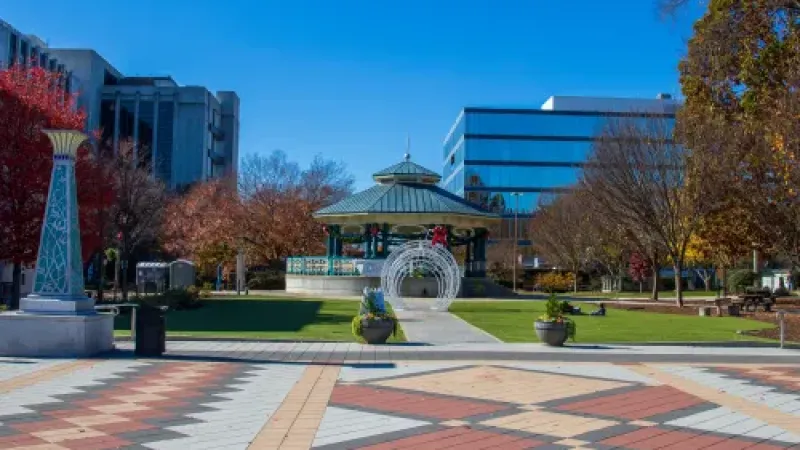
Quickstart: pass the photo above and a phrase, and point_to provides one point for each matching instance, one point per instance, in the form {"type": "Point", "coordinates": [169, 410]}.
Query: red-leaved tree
{"type": "Point", "coordinates": [639, 268]}
{"type": "Point", "coordinates": [32, 99]}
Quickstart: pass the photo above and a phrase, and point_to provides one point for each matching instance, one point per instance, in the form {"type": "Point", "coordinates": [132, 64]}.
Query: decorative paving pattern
{"type": "Point", "coordinates": [159, 405]}
{"type": "Point", "coordinates": [520, 405]}
{"type": "Point", "coordinates": [144, 404]}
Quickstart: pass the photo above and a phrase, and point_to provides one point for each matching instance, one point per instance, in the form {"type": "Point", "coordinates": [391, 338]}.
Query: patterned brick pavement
{"type": "Point", "coordinates": [186, 404]}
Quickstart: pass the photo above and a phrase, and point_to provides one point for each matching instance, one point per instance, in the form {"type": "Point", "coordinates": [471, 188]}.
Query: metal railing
{"type": "Point", "coordinates": [782, 324]}
{"type": "Point", "coordinates": [114, 309]}
{"type": "Point", "coordinates": [322, 265]}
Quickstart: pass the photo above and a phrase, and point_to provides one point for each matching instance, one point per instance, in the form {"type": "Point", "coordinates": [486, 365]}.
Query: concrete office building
{"type": "Point", "coordinates": [186, 133]}
{"type": "Point", "coordinates": [29, 49]}
{"type": "Point", "coordinates": [505, 159]}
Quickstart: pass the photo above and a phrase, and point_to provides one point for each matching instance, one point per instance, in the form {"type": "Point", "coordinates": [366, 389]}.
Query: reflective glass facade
{"type": "Point", "coordinates": [490, 154]}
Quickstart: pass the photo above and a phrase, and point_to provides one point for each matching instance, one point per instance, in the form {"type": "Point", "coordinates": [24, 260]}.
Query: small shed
{"type": "Point", "coordinates": [181, 274]}
{"type": "Point", "coordinates": [776, 278]}
{"type": "Point", "coordinates": [152, 277]}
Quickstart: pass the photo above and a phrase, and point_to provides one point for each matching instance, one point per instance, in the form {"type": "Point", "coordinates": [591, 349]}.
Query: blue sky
{"type": "Point", "coordinates": [349, 78]}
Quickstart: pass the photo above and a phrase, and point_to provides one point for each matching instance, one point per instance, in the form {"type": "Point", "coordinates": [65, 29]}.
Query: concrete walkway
{"type": "Point", "coordinates": [422, 325]}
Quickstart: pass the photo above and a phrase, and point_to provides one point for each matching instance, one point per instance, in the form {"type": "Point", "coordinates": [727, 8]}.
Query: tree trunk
{"type": "Point", "coordinates": [124, 267]}
{"type": "Point", "coordinates": [655, 278]}
{"type": "Point", "coordinates": [575, 282]}
{"type": "Point", "coordinates": [678, 284]}
{"type": "Point", "coordinates": [16, 286]}
{"type": "Point", "coordinates": [724, 271]}
{"type": "Point", "coordinates": [101, 276]}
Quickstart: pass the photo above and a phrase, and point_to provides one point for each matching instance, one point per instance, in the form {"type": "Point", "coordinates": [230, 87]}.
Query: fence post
{"type": "Point", "coordinates": [782, 327]}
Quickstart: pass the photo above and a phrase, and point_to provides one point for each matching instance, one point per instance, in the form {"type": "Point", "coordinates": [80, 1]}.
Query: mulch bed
{"type": "Point", "coordinates": [791, 321]}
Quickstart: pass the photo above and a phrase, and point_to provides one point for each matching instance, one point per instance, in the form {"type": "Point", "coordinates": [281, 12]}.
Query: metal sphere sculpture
{"type": "Point", "coordinates": [421, 259]}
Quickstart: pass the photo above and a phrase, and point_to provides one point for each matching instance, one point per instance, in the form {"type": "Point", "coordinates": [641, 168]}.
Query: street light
{"type": "Point", "coordinates": [516, 196]}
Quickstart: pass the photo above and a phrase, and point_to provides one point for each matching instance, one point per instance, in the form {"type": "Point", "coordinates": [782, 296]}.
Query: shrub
{"type": "Point", "coordinates": [268, 281]}
{"type": "Point", "coordinates": [555, 282]}
{"type": "Point", "coordinates": [176, 299]}
{"type": "Point", "coordinates": [554, 313]}
{"type": "Point", "coordinates": [208, 286]}
{"type": "Point", "coordinates": [741, 278]}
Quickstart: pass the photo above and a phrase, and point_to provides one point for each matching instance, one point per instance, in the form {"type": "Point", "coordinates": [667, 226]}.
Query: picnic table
{"type": "Point", "coordinates": [754, 300]}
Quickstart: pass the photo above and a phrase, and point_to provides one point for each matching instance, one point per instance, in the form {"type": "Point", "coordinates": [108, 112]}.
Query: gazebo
{"type": "Point", "coordinates": [406, 203]}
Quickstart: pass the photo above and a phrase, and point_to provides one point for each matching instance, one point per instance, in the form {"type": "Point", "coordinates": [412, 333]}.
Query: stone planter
{"type": "Point", "coordinates": [376, 331]}
{"type": "Point", "coordinates": [551, 333]}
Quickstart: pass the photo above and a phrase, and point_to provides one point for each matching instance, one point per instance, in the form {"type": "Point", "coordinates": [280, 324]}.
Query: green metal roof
{"type": "Point", "coordinates": [404, 198]}
{"type": "Point", "coordinates": [406, 168]}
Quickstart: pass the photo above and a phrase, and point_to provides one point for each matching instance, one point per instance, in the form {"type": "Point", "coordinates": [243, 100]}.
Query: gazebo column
{"type": "Point", "coordinates": [337, 240]}
{"type": "Point", "coordinates": [480, 254]}
{"type": "Point", "coordinates": [368, 252]}
{"type": "Point", "coordinates": [374, 239]}
{"type": "Point", "coordinates": [468, 256]}
{"type": "Point", "coordinates": [385, 240]}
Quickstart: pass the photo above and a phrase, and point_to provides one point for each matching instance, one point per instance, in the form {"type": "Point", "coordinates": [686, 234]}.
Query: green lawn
{"type": "Point", "coordinates": [513, 322]}
{"type": "Point", "coordinates": [263, 317]}
{"type": "Point", "coordinates": [642, 295]}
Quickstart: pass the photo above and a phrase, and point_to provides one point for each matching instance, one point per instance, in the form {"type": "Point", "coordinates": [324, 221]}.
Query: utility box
{"type": "Point", "coordinates": [152, 277]}
{"type": "Point", "coordinates": [182, 274]}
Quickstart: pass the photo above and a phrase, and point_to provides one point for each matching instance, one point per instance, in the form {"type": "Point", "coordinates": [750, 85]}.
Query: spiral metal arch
{"type": "Point", "coordinates": [413, 256]}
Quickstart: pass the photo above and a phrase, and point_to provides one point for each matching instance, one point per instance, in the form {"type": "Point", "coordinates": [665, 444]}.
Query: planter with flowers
{"type": "Point", "coordinates": [373, 323]}
{"type": "Point", "coordinates": [553, 328]}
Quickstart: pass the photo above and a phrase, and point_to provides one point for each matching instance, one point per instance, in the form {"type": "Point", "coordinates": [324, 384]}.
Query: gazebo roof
{"type": "Point", "coordinates": [405, 168]}
{"type": "Point", "coordinates": [406, 193]}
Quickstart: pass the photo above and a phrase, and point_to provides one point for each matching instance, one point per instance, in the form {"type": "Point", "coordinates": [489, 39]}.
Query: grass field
{"type": "Point", "coordinates": [642, 295]}
{"type": "Point", "coordinates": [264, 318]}
{"type": "Point", "coordinates": [513, 322]}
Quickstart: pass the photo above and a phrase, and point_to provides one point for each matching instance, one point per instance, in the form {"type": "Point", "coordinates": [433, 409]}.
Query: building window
{"type": "Point", "coordinates": [53, 65]}
{"type": "Point", "coordinates": [34, 56]}
{"type": "Point", "coordinates": [13, 54]}
{"type": "Point", "coordinates": [107, 122]}
{"type": "Point", "coordinates": [68, 83]}
{"type": "Point", "coordinates": [146, 123]}
{"type": "Point", "coordinates": [43, 60]}
{"type": "Point", "coordinates": [24, 52]}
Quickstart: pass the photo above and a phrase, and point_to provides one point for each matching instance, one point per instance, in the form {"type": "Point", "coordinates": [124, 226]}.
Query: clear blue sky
{"type": "Point", "coordinates": [349, 78]}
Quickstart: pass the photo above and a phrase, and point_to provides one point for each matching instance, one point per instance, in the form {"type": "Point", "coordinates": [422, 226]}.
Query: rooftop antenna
{"type": "Point", "coordinates": [407, 156]}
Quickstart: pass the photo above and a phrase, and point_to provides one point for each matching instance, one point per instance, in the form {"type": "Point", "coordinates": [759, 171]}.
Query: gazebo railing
{"type": "Point", "coordinates": [322, 265]}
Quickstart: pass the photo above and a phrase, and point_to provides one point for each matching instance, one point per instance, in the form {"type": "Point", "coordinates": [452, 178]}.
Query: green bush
{"type": "Point", "coordinates": [175, 299]}
{"type": "Point", "coordinates": [270, 281]}
{"type": "Point", "coordinates": [741, 278]}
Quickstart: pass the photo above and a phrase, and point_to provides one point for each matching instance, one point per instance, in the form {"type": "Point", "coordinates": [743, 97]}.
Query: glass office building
{"type": "Point", "coordinates": [505, 160]}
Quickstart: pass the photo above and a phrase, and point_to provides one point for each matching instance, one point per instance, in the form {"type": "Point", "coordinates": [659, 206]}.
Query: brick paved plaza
{"type": "Point", "coordinates": [191, 402]}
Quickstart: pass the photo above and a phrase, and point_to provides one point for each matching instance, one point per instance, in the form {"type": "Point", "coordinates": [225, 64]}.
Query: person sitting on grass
{"type": "Point", "coordinates": [600, 311]}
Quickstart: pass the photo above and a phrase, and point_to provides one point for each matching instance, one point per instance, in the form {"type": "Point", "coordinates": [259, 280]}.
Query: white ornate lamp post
{"type": "Point", "coordinates": [58, 282]}
{"type": "Point", "coordinates": [57, 318]}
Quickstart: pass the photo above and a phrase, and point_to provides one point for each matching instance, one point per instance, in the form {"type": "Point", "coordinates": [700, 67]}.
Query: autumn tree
{"type": "Point", "coordinates": [269, 217]}
{"type": "Point", "coordinates": [204, 224]}
{"type": "Point", "coordinates": [31, 100]}
{"type": "Point", "coordinates": [699, 258]}
{"type": "Point", "coordinates": [740, 77]}
{"type": "Point", "coordinates": [279, 199]}
{"type": "Point", "coordinates": [639, 268]}
{"type": "Point", "coordinates": [137, 205]}
{"type": "Point", "coordinates": [562, 238]}
{"type": "Point", "coordinates": [645, 182]}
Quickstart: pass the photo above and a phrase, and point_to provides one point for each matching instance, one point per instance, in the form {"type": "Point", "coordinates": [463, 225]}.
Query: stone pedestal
{"type": "Point", "coordinates": [63, 336]}
{"type": "Point", "coordinates": [58, 319]}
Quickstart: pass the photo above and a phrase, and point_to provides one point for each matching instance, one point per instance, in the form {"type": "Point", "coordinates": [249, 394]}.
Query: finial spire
{"type": "Point", "coordinates": [407, 156]}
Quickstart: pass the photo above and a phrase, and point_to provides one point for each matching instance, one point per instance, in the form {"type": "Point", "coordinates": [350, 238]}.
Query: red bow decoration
{"type": "Point", "coordinates": [374, 230]}
{"type": "Point", "coordinates": [325, 229]}
{"type": "Point", "coordinates": [439, 236]}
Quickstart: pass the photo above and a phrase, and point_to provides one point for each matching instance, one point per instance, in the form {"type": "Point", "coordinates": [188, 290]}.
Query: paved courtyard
{"type": "Point", "coordinates": [201, 403]}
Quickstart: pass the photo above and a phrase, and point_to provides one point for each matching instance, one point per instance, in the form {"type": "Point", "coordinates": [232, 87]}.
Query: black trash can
{"type": "Point", "coordinates": [151, 331]}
